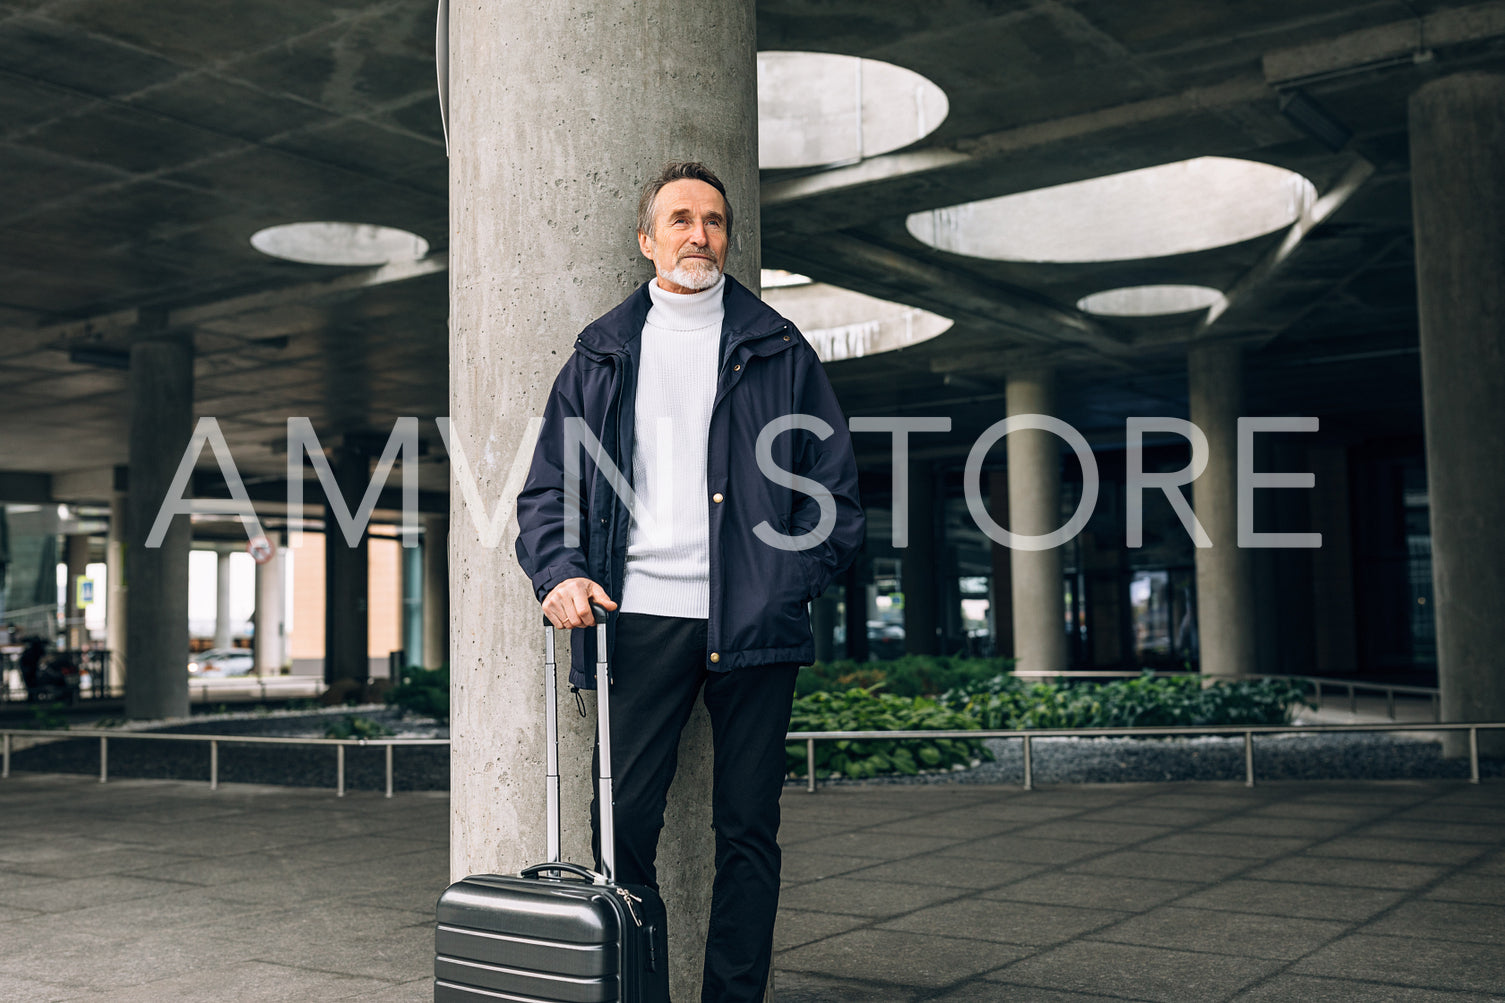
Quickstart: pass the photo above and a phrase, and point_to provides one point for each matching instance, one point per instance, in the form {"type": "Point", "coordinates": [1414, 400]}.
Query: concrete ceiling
{"type": "Point", "coordinates": [143, 141]}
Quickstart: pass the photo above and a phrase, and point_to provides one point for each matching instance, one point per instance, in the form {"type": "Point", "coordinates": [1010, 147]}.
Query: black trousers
{"type": "Point", "coordinates": [658, 669]}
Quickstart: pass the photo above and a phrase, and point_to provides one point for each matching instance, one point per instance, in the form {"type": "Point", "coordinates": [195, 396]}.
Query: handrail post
{"type": "Point", "coordinates": [5, 757]}
{"type": "Point", "coordinates": [1473, 755]}
{"type": "Point", "coordinates": [1029, 768]}
{"type": "Point", "coordinates": [104, 759]}
{"type": "Point", "coordinates": [1390, 701]}
{"type": "Point", "coordinates": [339, 770]}
{"type": "Point", "coordinates": [389, 769]}
{"type": "Point", "coordinates": [1436, 707]}
{"type": "Point", "coordinates": [1353, 700]}
{"type": "Point", "coordinates": [1317, 697]}
{"type": "Point", "coordinates": [213, 765]}
{"type": "Point", "coordinates": [810, 766]}
{"type": "Point", "coordinates": [1248, 759]}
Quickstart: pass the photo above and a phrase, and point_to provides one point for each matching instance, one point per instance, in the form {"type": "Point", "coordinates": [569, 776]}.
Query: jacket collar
{"type": "Point", "coordinates": [747, 317]}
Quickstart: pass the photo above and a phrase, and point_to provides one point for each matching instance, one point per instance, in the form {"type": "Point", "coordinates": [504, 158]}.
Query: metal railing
{"type": "Point", "coordinates": [808, 737]}
{"type": "Point", "coordinates": [1247, 731]}
{"type": "Point", "coordinates": [1389, 689]}
{"type": "Point", "coordinates": [202, 691]}
{"type": "Point", "coordinates": [104, 736]}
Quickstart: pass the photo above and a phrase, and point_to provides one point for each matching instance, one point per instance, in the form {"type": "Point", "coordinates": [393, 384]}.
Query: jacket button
{"type": "Point", "coordinates": [716, 497]}
{"type": "Point", "coordinates": [715, 656]}
{"type": "Point", "coordinates": [737, 367]}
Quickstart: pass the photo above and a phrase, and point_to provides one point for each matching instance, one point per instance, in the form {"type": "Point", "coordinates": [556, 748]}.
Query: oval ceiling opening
{"type": "Point", "coordinates": [1191, 205]}
{"type": "Point", "coordinates": [1149, 301]}
{"type": "Point", "coordinates": [339, 243]}
{"type": "Point", "coordinates": [843, 324]}
{"type": "Point", "coordinates": [819, 108]}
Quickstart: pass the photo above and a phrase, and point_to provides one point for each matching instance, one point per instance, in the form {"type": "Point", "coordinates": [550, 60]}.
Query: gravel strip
{"type": "Point", "coordinates": [1362, 756]}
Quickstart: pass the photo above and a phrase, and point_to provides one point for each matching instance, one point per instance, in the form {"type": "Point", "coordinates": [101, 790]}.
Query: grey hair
{"type": "Point", "coordinates": [678, 170]}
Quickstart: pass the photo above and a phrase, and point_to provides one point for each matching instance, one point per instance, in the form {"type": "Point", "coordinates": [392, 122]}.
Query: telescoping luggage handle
{"type": "Point", "coordinates": [603, 730]}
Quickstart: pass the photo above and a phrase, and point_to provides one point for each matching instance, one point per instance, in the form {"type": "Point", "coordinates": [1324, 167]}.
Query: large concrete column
{"type": "Point", "coordinates": [1334, 622]}
{"type": "Point", "coordinates": [1225, 573]}
{"type": "Point", "coordinates": [854, 590]}
{"type": "Point", "coordinates": [1457, 161]}
{"type": "Point", "coordinates": [115, 609]}
{"type": "Point", "coordinates": [559, 111]}
{"type": "Point", "coordinates": [917, 563]}
{"type": "Point", "coordinates": [435, 593]}
{"type": "Point", "coordinates": [269, 636]}
{"type": "Point", "coordinates": [347, 586]}
{"type": "Point", "coordinates": [411, 587]}
{"type": "Point", "coordinates": [161, 378]}
{"type": "Point", "coordinates": [76, 557]}
{"type": "Point", "coordinates": [823, 627]}
{"type": "Point", "coordinates": [1000, 585]}
{"type": "Point", "coordinates": [1034, 472]}
{"type": "Point", "coordinates": [221, 598]}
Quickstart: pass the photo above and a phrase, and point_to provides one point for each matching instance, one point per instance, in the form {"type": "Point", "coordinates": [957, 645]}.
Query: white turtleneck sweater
{"type": "Point", "coordinates": [668, 554]}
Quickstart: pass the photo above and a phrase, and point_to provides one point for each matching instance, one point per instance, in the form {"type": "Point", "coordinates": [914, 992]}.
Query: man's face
{"type": "Point", "coordinates": [688, 243]}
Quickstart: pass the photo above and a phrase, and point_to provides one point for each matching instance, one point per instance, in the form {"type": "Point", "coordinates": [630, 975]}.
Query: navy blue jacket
{"type": "Point", "coordinates": [768, 370]}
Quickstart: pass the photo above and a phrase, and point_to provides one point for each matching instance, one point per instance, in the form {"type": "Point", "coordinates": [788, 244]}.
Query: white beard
{"type": "Point", "coordinates": [695, 273]}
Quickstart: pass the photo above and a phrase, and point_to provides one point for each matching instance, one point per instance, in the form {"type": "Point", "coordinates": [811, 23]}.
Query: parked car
{"type": "Point", "coordinates": [885, 640]}
{"type": "Point", "coordinates": [218, 663]}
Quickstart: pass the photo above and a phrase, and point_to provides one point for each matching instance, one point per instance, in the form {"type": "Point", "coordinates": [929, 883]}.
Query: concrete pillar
{"type": "Point", "coordinates": [269, 634]}
{"type": "Point", "coordinates": [76, 557]}
{"type": "Point", "coordinates": [161, 378]}
{"type": "Point", "coordinates": [1286, 642]}
{"type": "Point", "coordinates": [1034, 475]}
{"type": "Point", "coordinates": [347, 584]}
{"type": "Point", "coordinates": [1457, 159]}
{"type": "Point", "coordinates": [435, 594]}
{"type": "Point", "coordinates": [917, 563]}
{"type": "Point", "coordinates": [952, 633]}
{"type": "Point", "coordinates": [1225, 573]}
{"type": "Point", "coordinates": [823, 627]}
{"type": "Point", "coordinates": [559, 111]}
{"type": "Point", "coordinates": [412, 605]}
{"type": "Point", "coordinates": [221, 598]}
{"type": "Point", "coordinates": [1000, 585]}
{"type": "Point", "coordinates": [855, 591]}
{"type": "Point", "coordinates": [115, 609]}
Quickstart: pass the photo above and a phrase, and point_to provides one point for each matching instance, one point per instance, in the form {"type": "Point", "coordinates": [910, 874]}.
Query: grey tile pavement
{"type": "Point", "coordinates": [158, 890]}
{"type": "Point", "coordinates": [1140, 973]}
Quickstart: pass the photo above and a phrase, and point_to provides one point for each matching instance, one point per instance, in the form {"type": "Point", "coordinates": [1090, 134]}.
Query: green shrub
{"type": "Point", "coordinates": [356, 727]}
{"type": "Point", "coordinates": [1148, 701]}
{"type": "Point", "coordinates": [423, 691]}
{"type": "Point", "coordinates": [865, 710]}
{"type": "Point", "coordinates": [910, 676]}
{"type": "Point", "coordinates": [981, 694]}
{"type": "Point", "coordinates": [49, 717]}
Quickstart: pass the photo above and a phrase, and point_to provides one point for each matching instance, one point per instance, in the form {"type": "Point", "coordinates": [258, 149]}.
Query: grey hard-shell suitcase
{"type": "Point", "coordinates": [557, 932]}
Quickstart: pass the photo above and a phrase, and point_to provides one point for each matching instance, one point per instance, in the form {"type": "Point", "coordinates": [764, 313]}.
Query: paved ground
{"type": "Point", "coordinates": [1394, 891]}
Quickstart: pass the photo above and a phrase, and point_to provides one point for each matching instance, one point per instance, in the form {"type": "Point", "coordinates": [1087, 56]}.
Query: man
{"type": "Point", "coordinates": [712, 578]}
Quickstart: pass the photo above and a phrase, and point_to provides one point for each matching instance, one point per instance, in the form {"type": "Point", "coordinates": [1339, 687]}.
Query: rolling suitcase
{"type": "Point", "coordinates": [558, 932]}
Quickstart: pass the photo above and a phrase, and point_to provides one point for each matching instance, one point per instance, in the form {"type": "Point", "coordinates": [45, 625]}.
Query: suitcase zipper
{"type": "Point", "coordinates": [628, 899]}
